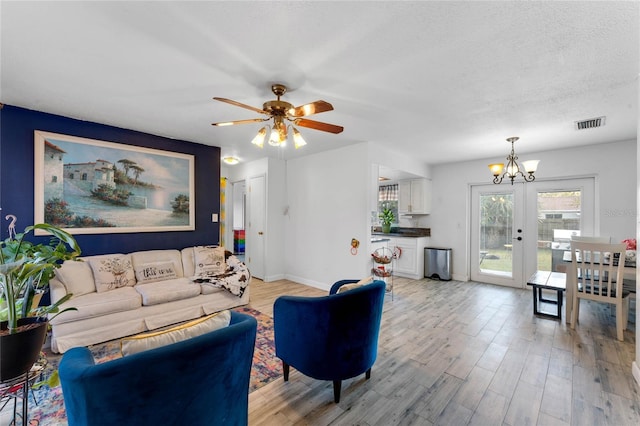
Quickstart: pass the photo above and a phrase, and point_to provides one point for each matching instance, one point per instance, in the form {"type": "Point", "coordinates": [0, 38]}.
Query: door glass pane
{"type": "Point", "coordinates": [558, 221]}
{"type": "Point", "coordinates": [496, 224]}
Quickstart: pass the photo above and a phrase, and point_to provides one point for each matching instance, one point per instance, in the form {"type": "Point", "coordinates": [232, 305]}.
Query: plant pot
{"type": "Point", "coordinates": [19, 351]}
{"type": "Point", "coordinates": [386, 228]}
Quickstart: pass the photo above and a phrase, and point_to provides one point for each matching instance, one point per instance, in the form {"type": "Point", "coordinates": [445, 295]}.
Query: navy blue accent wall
{"type": "Point", "coordinates": [16, 179]}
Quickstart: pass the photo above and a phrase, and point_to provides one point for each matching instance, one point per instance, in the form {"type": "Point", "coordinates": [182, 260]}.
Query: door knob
{"type": "Point", "coordinates": [260, 232]}
{"type": "Point", "coordinates": [519, 238]}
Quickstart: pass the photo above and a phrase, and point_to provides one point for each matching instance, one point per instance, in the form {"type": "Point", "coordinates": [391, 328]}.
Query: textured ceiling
{"type": "Point", "coordinates": [441, 81]}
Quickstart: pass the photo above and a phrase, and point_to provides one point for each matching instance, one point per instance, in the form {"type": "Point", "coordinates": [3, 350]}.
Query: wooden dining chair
{"type": "Point", "coordinates": [597, 271]}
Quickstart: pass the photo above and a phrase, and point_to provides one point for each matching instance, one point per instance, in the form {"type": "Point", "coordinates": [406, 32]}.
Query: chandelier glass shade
{"type": "Point", "coordinates": [512, 169]}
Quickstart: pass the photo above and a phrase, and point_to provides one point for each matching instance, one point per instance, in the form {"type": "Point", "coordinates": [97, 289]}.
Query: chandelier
{"type": "Point", "coordinates": [512, 169]}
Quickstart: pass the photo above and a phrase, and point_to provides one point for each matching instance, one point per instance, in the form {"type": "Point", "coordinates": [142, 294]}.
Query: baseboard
{"type": "Point", "coordinates": [311, 283]}
{"type": "Point", "coordinates": [271, 278]}
{"type": "Point", "coordinates": [635, 370]}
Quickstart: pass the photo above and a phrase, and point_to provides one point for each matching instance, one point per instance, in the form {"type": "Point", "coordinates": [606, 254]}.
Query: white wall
{"type": "Point", "coordinates": [275, 235]}
{"type": "Point", "coordinates": [329, 197]}
{"type": "Point", "coordinates": [614, 164]}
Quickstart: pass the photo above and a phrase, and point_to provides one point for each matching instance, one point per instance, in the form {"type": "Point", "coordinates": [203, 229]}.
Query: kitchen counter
{"type": "Point", "coordinates": [375, 239]}
{"type": "Point", "coordinates": [402, 233]}
{"type": "Point", "coordinates": [394, 234]}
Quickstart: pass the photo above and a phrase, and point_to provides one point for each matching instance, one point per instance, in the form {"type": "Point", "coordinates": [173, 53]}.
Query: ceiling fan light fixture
{"type": "Point", "coordinates": [258, 140]}
{"type": "Point", "coordinates": [279, 110]}
{"type": "Point", "coordinates": [278, 133]}
{"type": "Point", "coordinates": [298, 140]}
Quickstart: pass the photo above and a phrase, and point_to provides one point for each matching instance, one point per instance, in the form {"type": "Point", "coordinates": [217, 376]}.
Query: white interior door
{"type": "Point", "coordinates": [517, 229]}
{"type": "Point", "coordinates": [255, 234]}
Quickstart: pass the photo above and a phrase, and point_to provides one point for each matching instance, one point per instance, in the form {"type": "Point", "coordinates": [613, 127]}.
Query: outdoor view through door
{"type": "Point", "coordinates": [518, 230]}
{"type": "Point", "coordinates": [496, 233]}
{"type": "Point", "coordinates": [558, 219]}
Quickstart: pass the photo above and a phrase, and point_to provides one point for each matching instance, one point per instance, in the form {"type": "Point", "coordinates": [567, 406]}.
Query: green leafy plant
{"type": "Point", "coordinates": [25, 271]}
{"type": "Point", "coordinates": [387, 217]}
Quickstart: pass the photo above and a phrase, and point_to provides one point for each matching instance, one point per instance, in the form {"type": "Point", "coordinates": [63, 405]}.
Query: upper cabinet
{"type": "Point", "coordinates": [414, 196]}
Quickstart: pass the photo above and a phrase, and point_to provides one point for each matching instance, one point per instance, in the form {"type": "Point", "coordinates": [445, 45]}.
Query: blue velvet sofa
{"type": "Point", "coordinates": [332, 337]}
{"type": "Point", "coordinates": [200, 381]}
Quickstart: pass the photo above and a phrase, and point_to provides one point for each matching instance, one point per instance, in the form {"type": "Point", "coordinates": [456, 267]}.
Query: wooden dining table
{"type": "Point", "coordinates": [629, 283]}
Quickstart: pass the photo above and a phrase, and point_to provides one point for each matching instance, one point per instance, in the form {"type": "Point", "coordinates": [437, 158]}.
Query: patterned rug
{"type": "Point", "coordinates": [50, 404]}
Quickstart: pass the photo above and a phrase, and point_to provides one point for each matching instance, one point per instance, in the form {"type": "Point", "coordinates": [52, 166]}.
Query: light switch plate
{"type": "Point", "coordinates": [214, 217]}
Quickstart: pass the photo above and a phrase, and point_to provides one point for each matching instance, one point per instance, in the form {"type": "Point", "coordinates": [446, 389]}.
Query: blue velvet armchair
{"type": "Point", "coordinates": [200, 381]}
{"type": "Point", "coordinates": [332, 337]}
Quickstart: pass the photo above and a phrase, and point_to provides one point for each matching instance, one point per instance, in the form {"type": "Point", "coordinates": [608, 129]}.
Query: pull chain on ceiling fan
{"type": "Point", "coordinates": [279, 111]}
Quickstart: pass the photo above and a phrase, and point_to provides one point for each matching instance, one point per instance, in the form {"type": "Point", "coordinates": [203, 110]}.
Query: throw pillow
{"type": "Point", "coordinates": [156, 271]}
{"type": "Point", "coordinates": [198, 327]}
{"type": "Point", "coordinates": [111, 272]}
{"type": "Point", "coordinates": [351, 286]}
{"type": "Point", "coordinates": [209, 260]}
{"type": "Point", "coordinates": [76, 276]}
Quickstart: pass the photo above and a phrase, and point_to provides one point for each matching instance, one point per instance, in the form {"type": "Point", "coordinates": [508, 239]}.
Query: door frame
{"type": "Point", "coordinates": [518, 221]}
{"type": "Point", "coordinates": [255, 239]}
{"type": "Point", "coordinates": [527, 253]}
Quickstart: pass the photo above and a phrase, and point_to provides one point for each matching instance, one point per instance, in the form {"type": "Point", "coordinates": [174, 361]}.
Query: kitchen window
{"type": "Point", "coordinates": [388, 198]}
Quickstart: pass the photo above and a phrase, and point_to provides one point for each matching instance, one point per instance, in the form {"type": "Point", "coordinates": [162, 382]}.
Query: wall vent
{"type": "Point", "coordinates": [590, 123]}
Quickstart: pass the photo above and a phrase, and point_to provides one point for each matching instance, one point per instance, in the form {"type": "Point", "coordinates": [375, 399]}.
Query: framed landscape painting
{"type": "Point", "coordinates": [88, 186]}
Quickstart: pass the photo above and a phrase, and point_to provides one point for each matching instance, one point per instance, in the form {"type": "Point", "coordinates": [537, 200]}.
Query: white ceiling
{"type": "Point", "coordinates": [441, 81]}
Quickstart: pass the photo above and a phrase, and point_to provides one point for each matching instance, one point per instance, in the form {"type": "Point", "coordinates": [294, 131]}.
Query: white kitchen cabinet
{"type": "Point", "coordinates": [378, 243]}
{"type": "Point", "coordinates": [410, 263]}
{"type": "Point", "coordinates": [414, 196]}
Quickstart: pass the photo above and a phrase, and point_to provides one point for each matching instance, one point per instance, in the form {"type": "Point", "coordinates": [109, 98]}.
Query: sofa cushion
{"type": "Point", "coordinates": [155, 271]}
{"type": "Point", "coordinates": [77, 277]}
{"type": "Point", "coordinates": [144, 342]}
{"type": "Point", "coordinates": [188, 261]}
{"type": "Point", "coordinates": [111, 272]}
{"type": "Point", "coordinates": [141, 258]}
{"type": "Point", "coordinates": [167, 291]}
{"type": "Point", "coordinates": [97, 304]}
{"type": "Point", "coordinates": [209, 260]}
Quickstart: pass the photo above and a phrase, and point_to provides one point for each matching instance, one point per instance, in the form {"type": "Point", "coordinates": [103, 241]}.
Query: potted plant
{"type": "Point", "coordinates": [25, 271]}
{"type": "Point", "coordinates": [386, 217]}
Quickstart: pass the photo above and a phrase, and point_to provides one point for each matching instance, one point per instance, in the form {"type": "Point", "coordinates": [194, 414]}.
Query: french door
{"type": "Point", "coordinates": [517, 229]}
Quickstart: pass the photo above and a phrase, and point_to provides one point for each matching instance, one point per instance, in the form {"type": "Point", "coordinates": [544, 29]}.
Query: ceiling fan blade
{"type": "Point", "coordinates": [316, 125]}
{"type": "Point", "coordinates": [231, 123]}
{"type": "Point", "coordinates": [312, 108]}
{"type": "Point", "coordinates": [241, 105]}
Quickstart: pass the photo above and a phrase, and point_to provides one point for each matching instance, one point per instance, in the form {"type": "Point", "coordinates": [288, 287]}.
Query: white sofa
{"type": "Point", "coordinates": [139, 302]}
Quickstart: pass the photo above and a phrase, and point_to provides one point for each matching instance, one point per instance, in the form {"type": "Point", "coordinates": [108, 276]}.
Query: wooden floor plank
{"type": "Point", "coordinates": [466, 353]}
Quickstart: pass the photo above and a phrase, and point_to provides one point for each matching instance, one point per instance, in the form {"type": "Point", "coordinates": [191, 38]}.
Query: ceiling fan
{"type": "Point", "coordinates": [280, 111]}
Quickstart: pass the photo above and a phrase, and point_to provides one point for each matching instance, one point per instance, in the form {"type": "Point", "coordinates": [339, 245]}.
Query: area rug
{"type": "Point", "coordinates": [48, 410]}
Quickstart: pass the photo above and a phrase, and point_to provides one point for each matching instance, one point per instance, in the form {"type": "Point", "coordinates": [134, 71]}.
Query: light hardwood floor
{"type": "Point", "coordinates": [458, 353]}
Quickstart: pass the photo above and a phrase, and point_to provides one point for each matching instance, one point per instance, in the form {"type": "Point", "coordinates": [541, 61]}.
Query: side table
{"type": "Point", "coordinates": [18, 387]}
{"type": "Point", "coordinates": [549, 281]}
